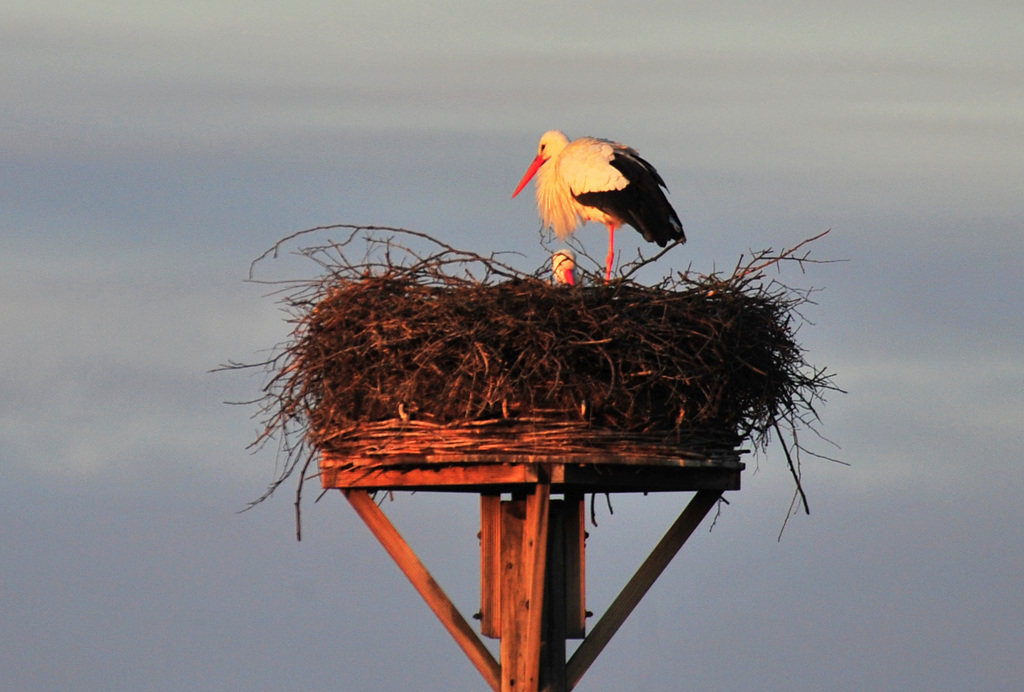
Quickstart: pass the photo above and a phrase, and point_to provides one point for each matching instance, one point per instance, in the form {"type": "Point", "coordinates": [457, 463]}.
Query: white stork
{"type": "Point", "coordinates": [592, 179]}
{"type": "Point", "coordinates": [563, 267]}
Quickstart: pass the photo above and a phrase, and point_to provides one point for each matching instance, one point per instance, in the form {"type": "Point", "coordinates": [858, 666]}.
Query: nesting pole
{"type": "Point", "coordinates": [407, 373]}
{"type": "Point", "coordinates": [532, 547]}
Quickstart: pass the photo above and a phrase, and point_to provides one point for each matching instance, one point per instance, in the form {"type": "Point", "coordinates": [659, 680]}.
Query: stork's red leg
{"type": "Point", "coordinates": [611, 254]}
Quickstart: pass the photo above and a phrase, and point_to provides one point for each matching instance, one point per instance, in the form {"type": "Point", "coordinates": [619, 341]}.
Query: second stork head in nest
{"type": "Point", "coordinates": [590, 179]}
{"type": "Point", "coordinates": [563, 267]}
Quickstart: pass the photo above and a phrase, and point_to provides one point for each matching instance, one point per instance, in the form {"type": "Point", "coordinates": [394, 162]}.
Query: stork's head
{"type": "Point", "coordinates": [563, 264]}
{"type": "Point", "coordinates": [551, 144]}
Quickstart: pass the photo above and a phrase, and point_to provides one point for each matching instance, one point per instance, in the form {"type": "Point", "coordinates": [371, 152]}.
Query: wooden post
{"type": "Point", "coordinates": [552, 664]}
{"type": "Point", "coordinates": [535, 552]}
{"type": "Point", "coordinates": [566, 555]}
{"type": "Point", "coordinates": [490, 565]}
{"type": "Point", "coordinates": [574, 530]}
{"type": "Point", "coordinates": [512, 624]}
{"type": "Point", "coordinates": [524, 548]}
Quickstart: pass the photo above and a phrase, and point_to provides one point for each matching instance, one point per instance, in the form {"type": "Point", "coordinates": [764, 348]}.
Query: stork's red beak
{"type": "Point", "coordinates": [534, 167]}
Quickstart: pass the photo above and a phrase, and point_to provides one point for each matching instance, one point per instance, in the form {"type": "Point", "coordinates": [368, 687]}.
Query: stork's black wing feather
{"type": "Point", "coordinates": [641, 204]}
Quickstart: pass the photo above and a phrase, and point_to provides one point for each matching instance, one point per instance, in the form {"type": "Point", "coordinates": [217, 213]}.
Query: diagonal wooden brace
{"type": "Point", "coordinates": [640, 584]}
{"type": "Point", "coordinates": [417, 573]}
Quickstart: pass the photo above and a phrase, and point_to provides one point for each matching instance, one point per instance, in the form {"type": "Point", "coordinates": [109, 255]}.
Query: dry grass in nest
{"type": "Point", "coordinates": [404, 342]}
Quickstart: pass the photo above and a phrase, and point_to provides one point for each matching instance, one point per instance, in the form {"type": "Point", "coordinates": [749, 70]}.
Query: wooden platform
{"type": "Point", "coordinates": [490, 473]}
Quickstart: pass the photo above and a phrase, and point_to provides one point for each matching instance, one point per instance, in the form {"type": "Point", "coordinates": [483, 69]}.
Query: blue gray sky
{"type": "Point", "coordinates": [151, 150]}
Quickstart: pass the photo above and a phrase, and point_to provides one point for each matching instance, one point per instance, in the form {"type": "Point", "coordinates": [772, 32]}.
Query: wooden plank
{"type": "Point", "coordinates": [328, 460]}
{"type": "Point", "coordinates": [648, 479]}
{"type": "Point", "coordinates": [490, 565]}
{"type": "Point", "coordinates": [535, 550]}
{"type": "Point", "coordinates": [513, 519]}
{"type": "Point", "coordinates": [420, 578]}
{"type": "Point", "coordinates": [552, 666]}
{"type": "Point", "coordinates": [641, 582]}
{"type": "Point", "coordinates": [574, 559]}
{"type": "Point", "coordinates": [424, 478]}
{"type": "Point", "coordinates": [509, 477]}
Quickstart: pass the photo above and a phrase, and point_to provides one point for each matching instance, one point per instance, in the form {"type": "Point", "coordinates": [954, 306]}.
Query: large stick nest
{"type": "Point", "coordinates": [392, 338]}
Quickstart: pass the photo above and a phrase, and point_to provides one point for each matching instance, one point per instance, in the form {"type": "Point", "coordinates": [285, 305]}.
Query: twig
{"type": "Point", "coordinates": [792, 468]}
{"type": "Point", "coordinates": [785, 255]}
{"type": "Point", "coordinates": [298, 497]}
